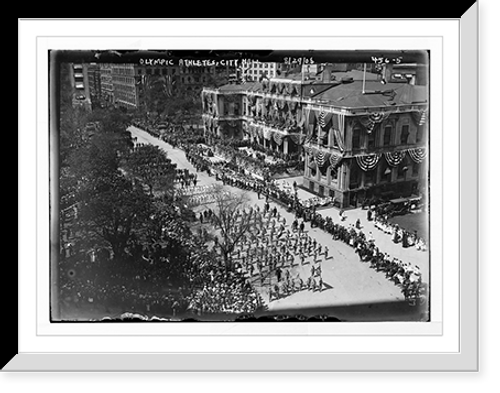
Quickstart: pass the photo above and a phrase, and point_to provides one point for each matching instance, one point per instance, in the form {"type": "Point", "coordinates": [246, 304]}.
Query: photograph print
{"type": "Point", "coordinates": [264, 185]}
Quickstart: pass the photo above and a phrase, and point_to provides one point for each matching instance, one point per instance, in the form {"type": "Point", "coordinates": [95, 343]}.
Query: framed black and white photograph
{"type": "Point", "coordinates": [258, 201]}
{"type": "Point", "coordinates": [222, 186]}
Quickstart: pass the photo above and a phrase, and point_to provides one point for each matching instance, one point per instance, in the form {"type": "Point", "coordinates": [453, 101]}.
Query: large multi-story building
{"type": "Point", "coordinates": [106, 73]}
{"type": "Point", "coordinates": [94, 76]}
{"type": "Point", "coordinates": [125, 90]}
{"type": "Point", "coordinates": [254, 70]}
{"type": "Point", "coordinates": [360, 138]}
{"type": "Point", "coordinates": [80, 86]}
{"type": "Point", "coordinates": [127, 84]}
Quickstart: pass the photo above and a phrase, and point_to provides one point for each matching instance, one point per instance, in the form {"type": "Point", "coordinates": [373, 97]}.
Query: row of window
{"type": "Point", "coordinates": [403, 172]}
{"type": "Point", "coordinates": [373, 139]}
{"type": "Point", "coordinates": [123, 71]}
{"type": "Point", "coordinates": [262, 65]}
{"type": "Point", "coordinates": [124, 79]}
{"type": "Point", "coordinates": [126, 88]}
{"type": "Point", "coordinates": [258, 72]}
{"type": "Point", "coordinates": [370, 177]}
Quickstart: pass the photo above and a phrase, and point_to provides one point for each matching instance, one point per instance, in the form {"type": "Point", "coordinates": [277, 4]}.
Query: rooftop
{"type": "Point", "coordinates": [376, 94]}
{"type": "Point", "coordinates": [247, 86]}
{"type": "Point", "coordinates": [349, 94]}
{"type": "Point", "coordinates": [356, 75]}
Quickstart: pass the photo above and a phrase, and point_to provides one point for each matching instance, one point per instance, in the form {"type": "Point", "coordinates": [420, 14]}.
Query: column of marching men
{"type": "Point", "coordinates": [403, 274]}
{"type": "Point", "coordinates": [275, 256]}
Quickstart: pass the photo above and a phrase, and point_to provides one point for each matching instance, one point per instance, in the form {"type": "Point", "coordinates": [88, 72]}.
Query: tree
{"type": "Point", "coordinates": [114, 210]}
{"type": "Point", "coordinates": [151, 166]}
{"type": "Point", "coordinates": [227, 218]}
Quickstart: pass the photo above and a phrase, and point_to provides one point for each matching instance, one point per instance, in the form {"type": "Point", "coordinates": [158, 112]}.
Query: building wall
{"type": "Point", "coordinates": [255, 69]}
{"type": "Point", "coordinates": [124, 85]}
{"type": "Point", "coordinates": [395, 125]}
{"type": "Point", "coordinates": [353, 184]}
{"type": "Point", "coordinates": [106, 73]}
{"type": "Point", "coordinates": [347, 182]}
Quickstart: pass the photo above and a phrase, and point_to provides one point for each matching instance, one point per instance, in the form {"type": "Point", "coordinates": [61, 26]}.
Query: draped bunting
{"type": "Point", "coordinates": [395, 158]}
{"type": "Point", "coordinates": [368, 162]}
{"type": "Point", "coordinates": [312, 163]}
{"type": "Point", "coordinates": [292, 106]}
{"type": "Point", "coordinates": [298, 139]}
{"type": "Point", "coordinates": [324, 119]}
{"type": "Point", "coordinates": [419, 117]}
{"type": "Point", "coordinates": [323, 159]}
{"type": "Point", "coordinates": [335, 160]}
{"type": "Point", "coordinates": [418, 154]}
{"type": "Point", "coordinates": [308, 137]}
{"type": "Point", "coordinates": [371, 120]}
{"type": "Point", "coordinates": [278, 138]}
{"type": "Point", "coordinates": [339, 139]}
{"type": "Point", "coordinates": [274, 103]}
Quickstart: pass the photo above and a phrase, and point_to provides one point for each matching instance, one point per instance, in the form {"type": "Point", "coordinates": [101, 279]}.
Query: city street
{"type": "Point", "coordinates": [352, 290]}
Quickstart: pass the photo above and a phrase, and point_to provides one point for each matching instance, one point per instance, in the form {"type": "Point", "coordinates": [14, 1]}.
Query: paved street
{"type": "Point", "coordinates": [353, 291]}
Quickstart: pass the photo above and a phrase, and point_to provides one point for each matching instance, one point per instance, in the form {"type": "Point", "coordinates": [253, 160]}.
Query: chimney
{"type": "Point", "coordinates": [387, 72]}
{"type": "Point", "coordinates": [326, 74]}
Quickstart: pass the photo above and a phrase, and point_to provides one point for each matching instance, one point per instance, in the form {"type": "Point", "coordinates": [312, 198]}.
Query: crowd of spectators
{"type": "Point", "coordinates": [405, 275]}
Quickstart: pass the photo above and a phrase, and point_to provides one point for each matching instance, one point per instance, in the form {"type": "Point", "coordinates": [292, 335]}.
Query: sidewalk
{"type": "Point", "coordinates": [382, 240]}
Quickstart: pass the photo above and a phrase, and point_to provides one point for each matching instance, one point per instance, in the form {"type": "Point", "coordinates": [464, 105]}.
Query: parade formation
{"type": "Point", "coordinates": [279, 258]}
{"type": "Point", "coordinates": [168, 216]}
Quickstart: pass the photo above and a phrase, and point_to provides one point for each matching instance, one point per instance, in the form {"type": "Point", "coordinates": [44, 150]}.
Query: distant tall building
{"type": "Point", "coordinates": [106, 72]}
{"type": "Point", "coordinates": [254, 70]}
{"type": "Point", "coordinates": [80, 84]}
{"type": "Point", "coordinates": [125, 90]}
{"type": "Point", "coordinates": [94, 76]}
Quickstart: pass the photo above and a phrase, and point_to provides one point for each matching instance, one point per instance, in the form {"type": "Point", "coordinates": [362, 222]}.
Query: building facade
{"type": "Point", "coordinates": [360, 138]}
{"type": "Point", "coordinates": [254, 70]}
{"type": "Point", "coordinates": [80, 85]}
{"type": "Point", "coordinates": [94, 76]}
{"type": "Point", "coordinates": [365, 146]}
{"type": "Point", "coordinates": [106, 74]}
{"type": "Point", "coordinates": [125, 92]}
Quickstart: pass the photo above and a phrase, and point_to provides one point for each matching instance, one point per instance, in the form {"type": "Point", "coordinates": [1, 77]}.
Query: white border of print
{"type": "Point", "coordinates": [454, 349]}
